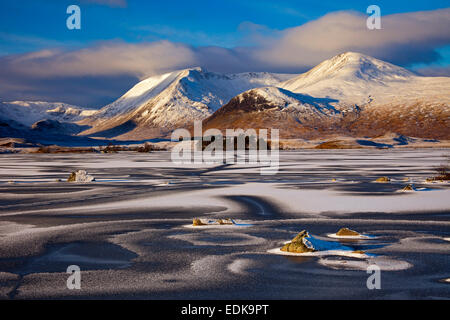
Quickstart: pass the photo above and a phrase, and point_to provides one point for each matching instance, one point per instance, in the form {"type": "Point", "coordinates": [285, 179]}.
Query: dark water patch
{"type": "Point", "coordinates": [57, 257]}
{"type": "Point", "coordinates": [366, 188]}
{"type": "Point", "coordinates": [255, 205]}
{"type": "Point", "coordinates": [220, 238]}
{"type": "Point", "coordinates": [368, 143]}
{"type": "Point", "coordinates": [33, 190]}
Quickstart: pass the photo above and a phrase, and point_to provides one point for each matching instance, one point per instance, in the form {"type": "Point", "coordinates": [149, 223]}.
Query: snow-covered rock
{"type": "Point", "coordinates": [80, 176]}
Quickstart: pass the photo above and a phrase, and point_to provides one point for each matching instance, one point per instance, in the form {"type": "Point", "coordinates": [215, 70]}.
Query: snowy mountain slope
{"type": "Point", "coordinates": [176, 98]}
{"type": "Point", "coordinates": [349, 94]}
{"type": "Point", "coordinates": [270, 107]}
{"type": "Point", "coordinates": [29, 112]}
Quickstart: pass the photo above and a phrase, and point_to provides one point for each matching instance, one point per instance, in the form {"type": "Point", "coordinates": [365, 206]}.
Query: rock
{"type": "Point", "coordinates": [225, 221]}
{"type": "Point", "coordinates": [300, 244]}
{"type": "Point", "coordinates": [383, 179]}
{"type": "Point", "coordinates": [409, 187]}
{"type": "Point", "coordinates": [347, 232]}
{"type": "Point", "coordinates": [197, 222]}
{"type": "Point", "coordinates": [80, 176]}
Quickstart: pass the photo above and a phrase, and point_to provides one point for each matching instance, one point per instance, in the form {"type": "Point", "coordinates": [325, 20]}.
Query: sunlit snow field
{"type": "Point", "coordinates": [129, 230]}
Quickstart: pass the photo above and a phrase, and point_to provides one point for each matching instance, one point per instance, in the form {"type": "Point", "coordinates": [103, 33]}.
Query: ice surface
{"type": "Point", "coordinates": [129, 207]}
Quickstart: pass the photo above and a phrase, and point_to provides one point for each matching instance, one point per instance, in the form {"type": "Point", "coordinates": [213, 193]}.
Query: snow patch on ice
{"type": "Point", "coordinates": [385, 263]}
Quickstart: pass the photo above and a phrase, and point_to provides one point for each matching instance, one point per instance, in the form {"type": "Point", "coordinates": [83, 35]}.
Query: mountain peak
{"type": "Point", "coordinates": [349, 67]}
{"type": "Point", "coordinates": [353, 64]}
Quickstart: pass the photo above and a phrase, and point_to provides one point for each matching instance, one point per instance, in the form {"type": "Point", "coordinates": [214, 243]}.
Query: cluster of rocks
{"type": "Point", "coordinates": [198, 222]}
{"type": "Point", "coordinates": [303, 242]}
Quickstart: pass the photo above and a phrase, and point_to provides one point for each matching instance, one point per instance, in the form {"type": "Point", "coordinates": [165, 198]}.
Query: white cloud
{"type": "Point", "coordinates": [112, 58]}
{"type": "Point", "coordinates": [404, 38]}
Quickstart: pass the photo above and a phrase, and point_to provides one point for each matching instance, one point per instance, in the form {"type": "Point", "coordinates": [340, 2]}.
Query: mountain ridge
{"type": "Point", "coordinates": [349, 94]}
{"type": "Point", "coordinates": [174, 99]}
{"type": "Point", "coordinates": [356, 95]}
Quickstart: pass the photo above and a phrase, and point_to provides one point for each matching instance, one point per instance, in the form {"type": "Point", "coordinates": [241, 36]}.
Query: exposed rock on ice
{"type": "Point", "coordinates": [347, 232]}
{"type": "Point", "coordinates": [80, 176]}
{"type": "Point", "coordinates": [300, 244]}
{"type": "Point", "coordinates": [199, 222]}
{"type": "Point", "coordinates": [409, 188]}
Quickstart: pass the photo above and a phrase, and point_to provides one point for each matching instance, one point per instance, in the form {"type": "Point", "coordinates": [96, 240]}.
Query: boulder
{"type": "Point", "coordinates": [300, 244]}
{"type": "Point", "coordinates": [347, 232]}
{"type": "Point", "coordinates": [80, 176]}
{"type": "Point", "coordinates": [409, 187]}
{"type": "Point", "coordinates": [225, 221]}
{"type": "Point", "coordinates": [197, 222]}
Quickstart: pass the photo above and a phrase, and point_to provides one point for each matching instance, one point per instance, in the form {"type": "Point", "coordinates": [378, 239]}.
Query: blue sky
{"type": "Point", "coordinates": [34, 24]}
{"type": "Point", "coordinates": [243, 35]}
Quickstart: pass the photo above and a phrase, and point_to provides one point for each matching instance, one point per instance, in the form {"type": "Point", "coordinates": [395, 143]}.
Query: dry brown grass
{"type": "Point", "coordinates": [335, 144]}
{"type": "Point", "coordinates": [56, 149]}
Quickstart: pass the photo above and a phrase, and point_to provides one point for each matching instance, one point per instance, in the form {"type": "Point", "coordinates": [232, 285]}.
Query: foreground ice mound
{"type": "Point", "coordinates": [80, 176]}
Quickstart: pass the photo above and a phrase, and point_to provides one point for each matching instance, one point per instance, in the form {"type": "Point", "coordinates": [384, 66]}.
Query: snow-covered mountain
{"type": "Point", "coordinates": [354, 78]}
{"type": "Point", "coordinates": [161, 103]}
{"type": "Point", "coordinates": [43, 122]}
{"type": "Point", "coordinates": [348, 94]}
{"type": "Point", "coordinates": [29, 112]}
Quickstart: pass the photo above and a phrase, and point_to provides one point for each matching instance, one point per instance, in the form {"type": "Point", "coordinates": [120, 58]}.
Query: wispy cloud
{"type": "Point", "coordinates": [109, 58]}
{"type": "Point", "coordinates": [434, 71]}
{"type": "Point", "coordinates": [22, 42]}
